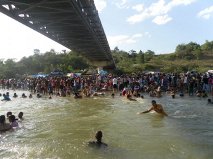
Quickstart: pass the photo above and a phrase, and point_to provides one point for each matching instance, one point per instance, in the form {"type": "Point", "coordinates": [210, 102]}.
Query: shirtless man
{"type": "Point", "coordinates": [156, 107]}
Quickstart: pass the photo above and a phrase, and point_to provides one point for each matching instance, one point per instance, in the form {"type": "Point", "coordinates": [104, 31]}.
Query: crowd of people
{"type": "Point", "coordinates": [130, 87]}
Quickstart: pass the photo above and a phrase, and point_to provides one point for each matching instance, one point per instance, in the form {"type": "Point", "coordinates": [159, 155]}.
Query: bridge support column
{"type": "Point", "coordinates": [100, 65]}
{"type": "Point", "coordinates": [100, 68]}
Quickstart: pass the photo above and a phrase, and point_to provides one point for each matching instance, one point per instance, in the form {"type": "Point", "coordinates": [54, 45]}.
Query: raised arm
{"type": "Point", "coordinates": [147, 111]}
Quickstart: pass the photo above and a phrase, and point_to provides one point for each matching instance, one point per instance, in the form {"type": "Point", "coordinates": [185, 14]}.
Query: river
{"type": "Point", "coordinates": [60, 128]}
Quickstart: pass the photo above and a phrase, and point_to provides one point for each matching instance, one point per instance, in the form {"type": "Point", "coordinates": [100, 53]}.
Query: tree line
{"type": "Point", "coordinates": [187, 57]}
{"type": "Point", "coordinates": [191, 56]}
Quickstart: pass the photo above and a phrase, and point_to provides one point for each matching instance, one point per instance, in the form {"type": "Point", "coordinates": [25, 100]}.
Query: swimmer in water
{"type": "Point", "coordinates": [38, 95]}
{"type": "Point", "coordinates": [20, 115]}
{"type": "Point", "coordinates": [23, 95]}
{"type": "Point", "coordinates": [9, 114]}
{"type": "Point", "coordinates": [30, 96]}
{"type": "Point", "coordinates": [3, 125]}
{"type": "Point", "coordinates": [12, 120]}
{"type": "Point", "coordinates": [113, 95]}
{"type": "Point", "coordinates": [156, 107]}
{"type": "Point", "coordinates": [6, 98]}
{"type": "Point", "coordinates": [15, 95]}
{"type": "Point", "coordinates": [210, 101]}
{"type": "Point", "coordinates": [98, 143]}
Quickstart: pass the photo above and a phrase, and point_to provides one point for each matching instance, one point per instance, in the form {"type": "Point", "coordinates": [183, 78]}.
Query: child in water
{"type": "Point", "coordinates": [12, 120]}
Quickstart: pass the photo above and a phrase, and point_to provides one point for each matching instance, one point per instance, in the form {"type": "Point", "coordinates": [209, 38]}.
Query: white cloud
{"type": "Point", "coordinates": [181, 2]}
{"type": "Point", "coordinates": [206, 13]}
{"type": "Point", "coordinates": [160, 20]}
{"type": "Point", "coordinates": [138, 7]}
{"type": "Point", "coordinates": [121, 4]}
{"type": "Point", "coordinates": [123, 39]}
{"type": "Point", "coordinates": [158, 10]}
{"type": "Point", "coordinates": [100, 4]}
{"type": "Point", "coordinates": [137, 35]}
{"type": "Point", "coordinates": [126, 39]}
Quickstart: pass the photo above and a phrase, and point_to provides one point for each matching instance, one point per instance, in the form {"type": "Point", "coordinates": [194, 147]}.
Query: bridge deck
{"type": "Point", "coordinates": [73, 23]}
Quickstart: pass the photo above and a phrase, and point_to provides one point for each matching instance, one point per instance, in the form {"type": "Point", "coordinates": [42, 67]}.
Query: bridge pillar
{"type": "Point", "coordinates": [100, 68]}
{"type": "Point", "coordinates": [100, 64]}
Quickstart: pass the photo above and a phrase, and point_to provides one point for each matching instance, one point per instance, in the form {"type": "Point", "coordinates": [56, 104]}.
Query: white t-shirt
{"type": "Point", "coordinates": [114, 81]}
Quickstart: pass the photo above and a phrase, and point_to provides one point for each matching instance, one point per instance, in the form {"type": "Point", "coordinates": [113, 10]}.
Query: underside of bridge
{"type": "Point", "coordinates": [74, 24]}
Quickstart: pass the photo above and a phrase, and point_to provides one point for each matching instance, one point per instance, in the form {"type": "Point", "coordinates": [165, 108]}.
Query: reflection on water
{"type": "Point", "coordinates": [61, 128]}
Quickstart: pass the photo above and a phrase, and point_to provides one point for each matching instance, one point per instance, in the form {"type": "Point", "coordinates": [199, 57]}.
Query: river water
{"type": "Point", "coordinates": [60, 128]}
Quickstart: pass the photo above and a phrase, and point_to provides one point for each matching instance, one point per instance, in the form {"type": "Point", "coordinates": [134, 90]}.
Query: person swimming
{"type": "Point", "coordinates": [9, 114]}
{"type": "Point", "coordinates": [15, 95]}
{"type": "Point", "coordinates": [5, 98]}
{"type": "Point", "coordinates": [156, 107]}
{"type": "Point", "coordinates": [20, 115]}
{"type": "Point", "coordinates": [98, 143]}
{"type": "Point", "coordinates": [23, 95]}
{"type": "Point", "coordinates": [12, 120]}
{"type": "Point", "coordinates": [77, 95]}
{"type": "Point", "coordinates": [3, 125]}
{"type": "Point", "coordinates": [210, 101]}
{"type": "Point", "coordinates": [129, 97]}
{"type": "Point", "coordinates": [38, 95]}
{"type": "Point", "coordinates": [30, 96]}
{"type": "Point", "coordinates": [113, 95]}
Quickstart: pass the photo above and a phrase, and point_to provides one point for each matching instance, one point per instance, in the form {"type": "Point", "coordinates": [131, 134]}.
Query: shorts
{"type": "Point", "coordinates": [115, 86]}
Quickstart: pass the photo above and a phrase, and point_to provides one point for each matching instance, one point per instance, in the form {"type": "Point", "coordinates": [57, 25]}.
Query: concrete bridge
{"type": "Point", "coordinates": [74, 24]}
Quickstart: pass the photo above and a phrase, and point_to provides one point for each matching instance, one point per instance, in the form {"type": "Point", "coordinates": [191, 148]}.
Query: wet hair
{"type": "Point", "coordinates": [12, 118]}
{"type": "Point", "coordinates": [38, 95]}
{"type": "Point", "coordinates": [20, 115]}
{"type": "Point", "coordinates": [2, 119]}
{"type": "Point", "coordinates": [9, 113]}
{"type": "Point", "coordinates": [23, 95]}
{"type": "Point", "coordinates": [99, 135]}
{"type": "Point", "coordinates": [153, 101]}
{"type": "Point", "coordinates": [15, 95]}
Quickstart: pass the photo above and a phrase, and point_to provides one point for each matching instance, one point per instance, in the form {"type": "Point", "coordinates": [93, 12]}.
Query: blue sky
{"type": "Point", "coordinates": [158, 25]}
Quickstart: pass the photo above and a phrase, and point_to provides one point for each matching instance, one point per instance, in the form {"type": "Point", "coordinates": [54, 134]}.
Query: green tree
{"type": "Point", "coordinates": [149, 54]}
{"type": "Point", "coordinates": [140, 57]}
